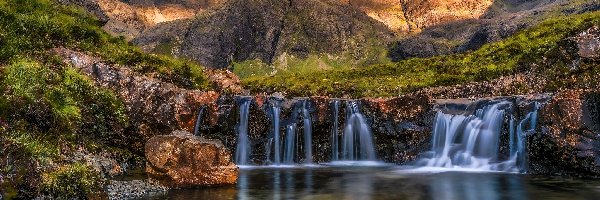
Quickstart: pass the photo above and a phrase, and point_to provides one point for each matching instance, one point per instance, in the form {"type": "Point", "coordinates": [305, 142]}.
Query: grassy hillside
{"type": "Point", "coordinates": [29, 27]}
{"type": "Point", "coordinates": [514, 54]}
{"type": "Point", "coordinates": [49, 112]}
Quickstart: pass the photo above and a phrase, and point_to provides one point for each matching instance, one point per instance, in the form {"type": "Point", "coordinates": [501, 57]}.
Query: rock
{"type": "Point", "coordinates": [133, 189]}
{"type": "Point", "coordinates": [447, 27]}
{"type": "Point", "coordinates": [588, 43]}
{"type": "Point", "coordinates": [184, 160]}
{"type": "Point", "coordinates": [266, 29]}
{"type": "Point", "coordinates": [153, 106]}
{"type": "Point", "coordinates": [91, 6]}
{"type": "Point", "coordinates": [568, 140]}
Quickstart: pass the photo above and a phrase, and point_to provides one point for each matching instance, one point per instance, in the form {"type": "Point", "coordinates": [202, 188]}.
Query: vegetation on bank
{"type": "Point", "coordinates": [289, 64]}
{"type": "Point", "coordinates": [514, 54]}
{"type": "Point", "coordinates": [49, 111]}
{"type": "Point", "coordinates": [30, 27]}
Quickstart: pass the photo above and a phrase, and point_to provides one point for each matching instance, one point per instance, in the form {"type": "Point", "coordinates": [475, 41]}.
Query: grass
{"type": "Point", "coordinates": [514, 54]}
{"type": "Point", "coordinates": [72, 180]}
{"type": "Point", "coordinates": [290, 65]}
{"type": "Point", "coordinates": [48, 109]}
{"type": "Point", "coordinates": [30, 27]}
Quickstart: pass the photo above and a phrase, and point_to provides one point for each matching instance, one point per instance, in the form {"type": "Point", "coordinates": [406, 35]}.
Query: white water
{"type": "Point", "coordinates": [357, 138]}
{"type": "Point", "coordinates": [472, 142]}
{"type": "Point", "coordinates": [242, 151]}
{"type": "Point", "coordinates": [276, 113]}
{"type": "Point", "coordinates": [290, 144]}
{"type": "Point", "coordinates": [334, 132]}
{"type": "Point", "coordinates": [307, 133]}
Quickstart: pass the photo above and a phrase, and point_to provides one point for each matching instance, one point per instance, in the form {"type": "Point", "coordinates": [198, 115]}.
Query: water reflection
{"type": "Point", "coordinates": [377, 183]}
{"type": "Point", "coordinates": [467, 188]}
{"type": "Point", "coordinates": [242, 185]}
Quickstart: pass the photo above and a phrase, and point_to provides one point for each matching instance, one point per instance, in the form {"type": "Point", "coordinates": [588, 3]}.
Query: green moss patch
{"type": "Point", "coordinates": [73, 180]}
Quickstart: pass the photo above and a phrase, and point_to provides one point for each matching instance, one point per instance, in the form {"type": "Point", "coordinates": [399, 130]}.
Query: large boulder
{"type": "Point", "coordinates": [183, 160]}
{"type": "Point", "coordinates": [567, 141]}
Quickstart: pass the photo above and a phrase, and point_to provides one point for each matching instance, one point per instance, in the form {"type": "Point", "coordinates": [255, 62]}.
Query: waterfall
{"type": "Point", "coordinates": [473, 141]}
{"type": "Point", "coordinates": [276, 139]}
{"type": "Point", "coordinates": [290, 144]}
{"type": "Point", "coordinates": [242, 151]}
{"type": "Point", "coordinates": [199, 120]}
{"type": "Point", "coordinates": [357, 139]}
{"type": "Point", "coordinates": [517, 145]}
{"type": "Point", "coordinates": [334, 131]}
{"type": "Point", "coordinates": [307, 132]}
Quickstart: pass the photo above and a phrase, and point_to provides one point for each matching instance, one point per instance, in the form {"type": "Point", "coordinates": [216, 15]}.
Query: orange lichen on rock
{"type": "Point", "coordinates": [183, 160]}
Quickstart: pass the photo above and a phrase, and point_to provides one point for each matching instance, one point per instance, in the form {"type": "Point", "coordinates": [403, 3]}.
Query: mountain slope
{"type": "Point", "coordinates": [544, 50]}
{"type": "Point", "coordinates": [501, 19]}
{"type": "Point", "coordinates": [266, 29]}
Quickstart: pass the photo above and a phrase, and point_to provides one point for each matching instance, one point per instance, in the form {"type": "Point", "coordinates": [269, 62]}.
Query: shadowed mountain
{"type": "Point", "coordinates": [266, 29]}
{"type": "Point", "coordinates": [502, 19]}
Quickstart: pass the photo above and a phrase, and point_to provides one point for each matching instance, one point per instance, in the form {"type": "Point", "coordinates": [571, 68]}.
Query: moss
{"type": "Point", "coordinates": [47, 105]}
{"type": "Point", "coordinates": [34, 145]}
{"type": "Point", "coordinates": [30, 27]}
{"type": "Point", "coordinates": [72, 181]}
{"type": "Point", "coordinates": [511, 55]}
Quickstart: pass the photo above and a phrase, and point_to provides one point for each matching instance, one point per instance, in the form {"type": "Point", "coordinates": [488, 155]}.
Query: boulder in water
{"type": "Point", "coordinates": [184, 160]}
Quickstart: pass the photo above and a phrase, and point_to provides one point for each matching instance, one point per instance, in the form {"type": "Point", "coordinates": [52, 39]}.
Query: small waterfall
{"type": "Point", "coordinates": [242, 151]}
{"type": "Point", "coordinates": [276, 140]}
{"type": "Point", "coordinates": [334, 131]}
{"type": "Point", "coordinates": [306, 118]}
{"type": "Point", "coordinates": [199, 120]}
{"type": "Point", "coordinates": [517, 145]}
{"type": "Point", "coordinates": [473, 141]}
{"type": "Point", "coordinates": [290, 144]}
{"type": "Point", "coordinates": [357, 139]}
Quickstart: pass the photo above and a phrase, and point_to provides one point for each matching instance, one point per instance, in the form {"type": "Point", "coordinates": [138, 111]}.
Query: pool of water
{"type": "Point", "coordinates": [391, 183]}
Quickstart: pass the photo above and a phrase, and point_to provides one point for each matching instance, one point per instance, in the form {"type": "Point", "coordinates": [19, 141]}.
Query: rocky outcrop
{"type": "Point", "coordinates": [498, 21]}
{"type": "Point", "coordinates": [130, 18]}
{"type": "Point", "coordinates": [266, 29]}
{"type": "Point", "coordinates": [567, 141]}
{"type": "Point", "coordinates": [153, 107]}
{"type": "Point", "coordinates": [184, 160]}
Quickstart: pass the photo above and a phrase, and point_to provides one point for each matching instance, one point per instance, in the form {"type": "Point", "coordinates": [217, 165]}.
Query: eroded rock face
{"type": "Point", "coordinates": [184, 160]}
{"type": "Point", "coordinates": [265, 29]}
{"type": "Point", "coordinates": [467, 25]}
{"type": "Point", "coordinates": [153, 107]}
{"type": "Point", "coordinates": [568, 140]}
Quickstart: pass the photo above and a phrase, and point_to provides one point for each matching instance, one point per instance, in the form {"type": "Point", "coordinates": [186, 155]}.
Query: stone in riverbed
{"type": "Point", "coordinates": [184, 160]}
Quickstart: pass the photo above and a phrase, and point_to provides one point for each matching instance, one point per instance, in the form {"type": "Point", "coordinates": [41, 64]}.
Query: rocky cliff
{"type": "Point", "coordinates": [265, 30]}
{"type": "Point", "coordinates": [490, 21]}
{"type": "Point", "coordinates": [219, 32]}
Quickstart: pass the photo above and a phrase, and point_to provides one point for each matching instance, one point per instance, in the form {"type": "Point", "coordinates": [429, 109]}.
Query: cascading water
{"type": "Point", "coordinates": [276, 140]}
{"type": "Point", "coordinates": [518, 150]}
{"type": "Point", "coordinates": [307, 132]}
{"type": "Point", "coordinates": [242, 151]}
{"type": "Point", "coordinates": [334, 131]}
{"type": "Point", "coordinates": [472, 142]}
{"type": "Point", "coordinates": [290, 144]}
{"type": "Point", "coordinates": [199, 120]}
{"type": "Point", "coordinates": [357, 141]}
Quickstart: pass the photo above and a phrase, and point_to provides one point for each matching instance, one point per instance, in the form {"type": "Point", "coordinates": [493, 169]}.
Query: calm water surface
{"type": "Point", "coordinates": [391, 183]}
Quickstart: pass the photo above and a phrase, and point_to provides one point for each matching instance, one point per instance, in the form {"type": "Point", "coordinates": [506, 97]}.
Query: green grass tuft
{"type": "Point", "coordinates": [30, 27]}
{"type": "Point", "coordinates": [71, 181]}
